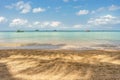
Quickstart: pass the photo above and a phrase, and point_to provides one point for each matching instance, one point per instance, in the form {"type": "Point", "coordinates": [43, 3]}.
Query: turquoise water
{"type": "Point", "coordinates": [65, 40]}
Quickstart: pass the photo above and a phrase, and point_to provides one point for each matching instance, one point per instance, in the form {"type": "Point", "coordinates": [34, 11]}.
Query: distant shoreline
{"type": "Point", "coordinates": [65, 31]}
{"type": "Point", "coordinates": [55, 46]}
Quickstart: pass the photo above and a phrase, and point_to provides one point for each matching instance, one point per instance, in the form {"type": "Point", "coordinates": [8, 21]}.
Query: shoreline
{"type": "Point", "coordinates": [60, 46]}
{"type": "Point", "coordinates": [38, 64]}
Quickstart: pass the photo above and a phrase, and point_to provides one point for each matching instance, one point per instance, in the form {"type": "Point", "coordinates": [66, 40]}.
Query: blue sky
{"type": "Point", "coordinates": [60, 14]}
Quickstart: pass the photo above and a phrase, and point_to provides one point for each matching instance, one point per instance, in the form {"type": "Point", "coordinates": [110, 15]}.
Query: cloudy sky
{"type": "Point", "coordinates": [60, 14]}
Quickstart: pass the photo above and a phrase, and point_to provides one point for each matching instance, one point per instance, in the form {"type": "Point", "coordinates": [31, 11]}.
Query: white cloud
{"type": "Point", "coordinates": [78, 26]}
{"type": "Point", "coordinates": [19, 22]}
{"type": "Point", "coordinates": [114, 7]}
{"type": "Point", "coordinates": [82, 12]}
{"type": "Point", "coordinates": [38, 10]}
{"type": "Point", "coordinates": [41, 24]}
{"type": "Point", "coordinates": [55, 23]}
{"type": "Point", "coordinates": [104, 20]}
{"type": "Point", "coordinates": [25, 23]}
{"type": "Point", "coordinates": [2, 19]}
{"type": "Point", "coordinates": [24, 7]}
{"type": "Point", "coordinates": [47, 24]}
{"type": "Point", "coordinates": [109, 8]}
{"type": "Point", "coordinates": [37, 23]}
{"type": "Point", "coordinates": [21, 6]}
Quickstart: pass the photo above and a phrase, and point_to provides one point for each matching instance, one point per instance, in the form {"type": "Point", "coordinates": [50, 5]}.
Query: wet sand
{"type": "Point", "coordinates": [59, 65]}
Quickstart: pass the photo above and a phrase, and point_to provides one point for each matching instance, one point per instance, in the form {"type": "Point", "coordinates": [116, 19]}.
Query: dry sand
{"type": "Point", "coordinates": [59, 65]}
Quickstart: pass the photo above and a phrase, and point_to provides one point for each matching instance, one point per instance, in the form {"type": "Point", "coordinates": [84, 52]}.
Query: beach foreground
{"type": "Point", "coordinates": [59, 65]}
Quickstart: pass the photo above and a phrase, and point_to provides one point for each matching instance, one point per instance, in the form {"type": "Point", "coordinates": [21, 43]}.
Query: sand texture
{"type": "Point", "coordinates": [59, 65]}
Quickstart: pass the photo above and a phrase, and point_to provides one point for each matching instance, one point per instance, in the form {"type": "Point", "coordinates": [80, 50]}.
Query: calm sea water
{"type": "Point", "coordinates": [60, 40]}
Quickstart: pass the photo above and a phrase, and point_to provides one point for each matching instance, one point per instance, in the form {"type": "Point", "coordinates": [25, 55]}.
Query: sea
{"type": "Point", "coordinates": [61, 39]}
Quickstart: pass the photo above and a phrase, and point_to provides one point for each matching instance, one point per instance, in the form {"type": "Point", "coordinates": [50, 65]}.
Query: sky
{"type": "Point", "coordinates": [60, 14]}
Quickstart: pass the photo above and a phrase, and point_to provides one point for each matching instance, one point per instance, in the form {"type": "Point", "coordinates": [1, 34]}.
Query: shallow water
{"type": "Point", "coordinates": [60, 40]}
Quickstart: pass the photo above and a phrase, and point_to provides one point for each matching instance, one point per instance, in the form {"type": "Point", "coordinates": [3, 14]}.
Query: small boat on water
{"type": "Point", "coordinates": [55, 30]}
{"type": "Point", "coordinates": [19, 31]}
{"type": "Point", "coordinates": [36, 30]}
{"type": "Point", "coordinates": [87, 31]}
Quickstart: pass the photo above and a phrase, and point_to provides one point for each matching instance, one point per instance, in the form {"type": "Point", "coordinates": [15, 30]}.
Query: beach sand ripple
{"type": "Point", "coordinates": [59, 65]}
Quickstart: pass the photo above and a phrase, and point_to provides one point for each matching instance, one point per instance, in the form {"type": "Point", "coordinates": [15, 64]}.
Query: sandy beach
{"type": "Point", "coordinates": [59, 39]}
{"type": "Point", "coordinates": [59, 65]}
